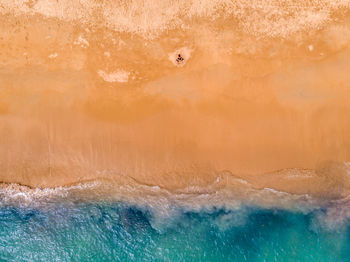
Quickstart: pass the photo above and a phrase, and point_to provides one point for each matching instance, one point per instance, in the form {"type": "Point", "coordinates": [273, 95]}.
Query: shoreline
{"type": "Point", "coordinates": [164, 206]}
{"type": "Point", "coordinates": [222, 193]}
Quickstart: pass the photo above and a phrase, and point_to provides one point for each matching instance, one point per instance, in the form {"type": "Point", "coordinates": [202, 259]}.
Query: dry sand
{"type": "Point", "coordinates": [176, 93]}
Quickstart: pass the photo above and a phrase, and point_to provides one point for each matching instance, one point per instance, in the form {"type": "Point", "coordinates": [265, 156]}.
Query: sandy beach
{"type": "Point", "coordinates": [179, 95]}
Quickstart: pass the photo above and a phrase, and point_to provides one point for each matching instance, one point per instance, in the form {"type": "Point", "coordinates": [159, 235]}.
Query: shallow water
{"type": "Point", "coordinates": [117, 231]}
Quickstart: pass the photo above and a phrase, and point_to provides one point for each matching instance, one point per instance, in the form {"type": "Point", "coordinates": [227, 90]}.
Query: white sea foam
{"type": "Point", "coordinates": [17, 194]}
{"type": "Point", "coordinates": [226, 193]}
{"type": "Point", "coordinates": [194, 198]}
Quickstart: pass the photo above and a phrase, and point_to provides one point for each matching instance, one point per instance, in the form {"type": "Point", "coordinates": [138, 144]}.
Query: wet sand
{"type": "Point", "coordinates": [177, 95]}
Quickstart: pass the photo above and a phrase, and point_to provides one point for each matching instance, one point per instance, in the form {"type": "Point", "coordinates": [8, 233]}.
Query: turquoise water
{"type": "Point", "coordinates": [122, 232]}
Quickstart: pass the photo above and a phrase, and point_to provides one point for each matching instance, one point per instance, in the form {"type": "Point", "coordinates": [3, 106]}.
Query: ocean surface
{"type": "Point", "coordinates": [72, 230]}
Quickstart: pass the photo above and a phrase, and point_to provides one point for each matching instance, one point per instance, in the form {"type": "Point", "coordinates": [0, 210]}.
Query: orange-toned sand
{"type": "Point", "coordinates": [176, 93]}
